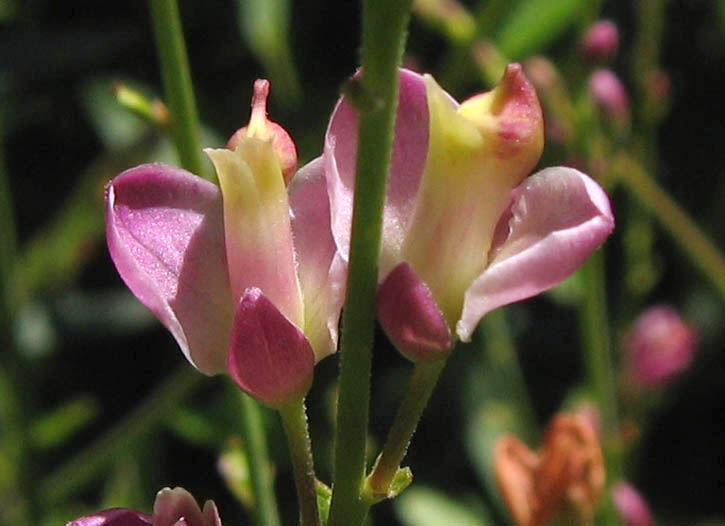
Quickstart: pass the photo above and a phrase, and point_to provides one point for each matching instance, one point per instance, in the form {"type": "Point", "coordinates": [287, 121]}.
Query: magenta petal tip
{"type": "Point", "coordinates": [411, 317]}
{"type": "Point", "coordinates": [269, 357]}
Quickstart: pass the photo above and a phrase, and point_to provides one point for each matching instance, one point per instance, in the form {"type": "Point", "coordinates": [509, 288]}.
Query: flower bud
{"type": "Point", "coordinates": [609, 94]}
{"type": "Point", "coordinates": [261, 127]}
{"type": "Point", "coordinates": [601, 41]}
{"type": "Point", "coordinates": [630, 505]}
{"type": "Point", "coordinates": [659, 347]}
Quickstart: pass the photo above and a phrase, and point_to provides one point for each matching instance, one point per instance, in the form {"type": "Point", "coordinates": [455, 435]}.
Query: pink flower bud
{"type": "Point", "coordinates": [631, 506]}
{"type": "Point", "coordinates": [601, 41]}
{"type": "Point", "coordinates": [609, 94]}
{"type": "Point", "coordinates": [261, 127]}
{"type": "Point", "coordinates": [659, 346]}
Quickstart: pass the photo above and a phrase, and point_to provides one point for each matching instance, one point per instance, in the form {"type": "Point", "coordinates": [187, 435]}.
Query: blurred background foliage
{"type": "Point", "coordinates": [99, 408]}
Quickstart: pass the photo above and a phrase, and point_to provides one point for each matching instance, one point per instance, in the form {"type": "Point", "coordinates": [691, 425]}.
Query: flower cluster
{"type": "Point", "coordinates": [248, 276]}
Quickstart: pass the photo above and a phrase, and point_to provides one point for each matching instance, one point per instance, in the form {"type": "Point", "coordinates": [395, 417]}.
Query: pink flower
{"type": "Point", "coordinates": [609, 94]}
{"type": "Point", "coordinates": [173, 507]}
{"type": "Point", "coordinates": [601, 41]}
{"type": "Point", "coordinates": [245, 277]}
{"type": "Point", "coordinates": [659, 346]}
{"type": "Point", "coordinates": [465, 230]}
{"type": "Point", "coordinates": [631, 506]}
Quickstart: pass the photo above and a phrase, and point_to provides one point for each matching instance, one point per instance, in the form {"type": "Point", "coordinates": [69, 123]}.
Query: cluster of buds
{"type": "Point", "coordinates": [562, 481]}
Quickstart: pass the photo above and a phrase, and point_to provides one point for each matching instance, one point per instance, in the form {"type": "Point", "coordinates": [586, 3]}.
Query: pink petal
{"type": "Point", "coordinates": [211, 514]}
{"type": "Point", "coordinates": [113, 517]}
{"type": "Point", "coordinates": [320, 268]}
{"type": "Point", "coordinates": [165, 235]}
{"type": "Point", "coordinates": [557, 218]}
{"type": "Point", "coordinates": [171, 505]}
{"type": "Point", "coordinates": [269, 357]}
{"type": "Point", "coordinates": [408, 160]}
{"type": "Point", "coordinates": [410, 316]}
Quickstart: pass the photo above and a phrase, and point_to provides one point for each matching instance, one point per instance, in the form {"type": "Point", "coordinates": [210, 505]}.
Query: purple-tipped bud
{"type": "Point", "coordinates": [608, 93]}
{"type": "Point", "coordinates": [269, 357]}
{"type": "Point", "coordinates": [411, 318]}
{"type": "Point", "coordinates": [630, 505]}
{"type": "Point", "coordinates": [601, 41]}
{"type": "Point", "coordinates": [659, 347]}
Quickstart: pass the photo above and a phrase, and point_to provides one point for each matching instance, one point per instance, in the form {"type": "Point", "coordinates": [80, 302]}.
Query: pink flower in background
{"type": "Point", "coordinates": [464, 229]}
{"type": "Point", "coordinates": [246, 277]}
{"type": "Point", "coordinates": [609, 94]}
{"type": "Point", "coordinates": [659, 347]}
{"type": "Point", "coordinates": [601, 41]}
{"type": "Point", "coordinates": [631, 506]}
{"type": "Point", "coordinates": [173, 507]}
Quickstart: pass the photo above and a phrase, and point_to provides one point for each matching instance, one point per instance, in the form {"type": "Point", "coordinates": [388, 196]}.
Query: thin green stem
{"type": "Point", "coordinates": [294, 421]}
{"type": "Point", "coordinates": [384, 31]}
{"type": "Point", "coordinates": [502, 362]}
{"type": "Point", "coordinates": [84, 467]}
{"type": "Point", "coordinates": [422, 382]}
{"type": "Point", "coordinates": [260, 474]}
{"type": "Point", "coordinates": [685, 233]}
{"type": "Point", "coordinates": [177, 83]}
{"type": "Point", "coordinates": [598, 360]}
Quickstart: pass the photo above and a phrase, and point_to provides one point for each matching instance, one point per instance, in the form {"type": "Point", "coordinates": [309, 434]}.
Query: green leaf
{"type": "Point", "coordinates": [193, 427]}
{"type": "Point", "coordinates": [324, 497]}
{"type": "Point", "coordinates": [535, 24]}
{"type": "Point", "coordinates": [421, 506]}
{"type": "Point", "coordinates": [115, 125]}
{"type": "Point", "coordinates": [54, 428]}
{"type": "Point", "coordinates": [234, 469]}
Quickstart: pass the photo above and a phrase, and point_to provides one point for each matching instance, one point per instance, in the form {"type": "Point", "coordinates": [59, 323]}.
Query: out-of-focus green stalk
{"type": "Point", "coordinates": [71, 476]}
{"type": "Point", "coordinates": [502, 360]}
{"type": "Point", "coordinates": [260, 473]}
{"type": "Point", "coordinates": [685, 233]}
{"type": "Point", "coordinates": [294, 421]}
{"type": "Point", "coordinates": [15, 484]}
{"type": "Point", "coordinates": [384, 24]}
{"type": "Point", "coordinates": [177, 84]}
{"type": "Point", "coordinates": [8, 241]}
{"type": "Point", "coordinates": [598, 359]}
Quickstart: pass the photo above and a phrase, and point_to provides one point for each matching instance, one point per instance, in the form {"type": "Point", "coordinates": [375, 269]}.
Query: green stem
{"type": "Point", "coordinates": [84, 467]}
{"type": "Point", "coordinates": [294, 421]}
{"type": "Point", "coordinates": [260, 474]}
{"type": "Point", "coordinates": [685, 233]}
{"type": "Point", "coordinates": [502, 362]}
{"type": "Point", "coordinates": [177, 83]}
{"type": "Point", "coordinates": [598, 356]}
{"type": "Point", "coordinates": [422, 382]}
{"type": "Point", "coordinates": [384, 30]}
